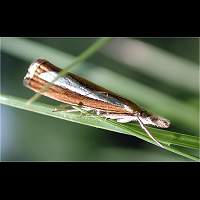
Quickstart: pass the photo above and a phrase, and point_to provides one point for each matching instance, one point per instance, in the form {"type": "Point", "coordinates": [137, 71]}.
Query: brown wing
{"type": "Point", "coordinates": [92, 86]}
{"type": "Point", "coordinates": [67, 96]}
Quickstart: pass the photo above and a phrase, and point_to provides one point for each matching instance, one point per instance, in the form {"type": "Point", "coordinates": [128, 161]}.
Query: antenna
{"type": "Point", "coordinates": [148, 133]}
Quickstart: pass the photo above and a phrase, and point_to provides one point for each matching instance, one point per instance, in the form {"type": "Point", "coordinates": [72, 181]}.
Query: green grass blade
{"type": "Point", "coordinates": [167, 137]}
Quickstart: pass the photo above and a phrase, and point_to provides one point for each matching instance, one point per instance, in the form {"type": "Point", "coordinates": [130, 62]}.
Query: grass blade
{"type": "Point", "coordinates": [166, 137]}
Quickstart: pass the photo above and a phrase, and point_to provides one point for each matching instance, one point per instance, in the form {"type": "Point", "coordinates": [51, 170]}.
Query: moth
{"type": "Point", "coordinates": [77, 91]}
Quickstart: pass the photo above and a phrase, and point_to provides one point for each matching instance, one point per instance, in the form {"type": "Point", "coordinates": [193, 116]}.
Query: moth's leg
{"type": "Point", "coordinates": [91, 112]}
{"type": "Point", "coordinates": [96, 112]}
{"type": "Point", "coordinates": [83, 110]}
{"type": "Point", "coordinates": [64, 107]}
{"type": "Point", "coordinates": [78, 108]}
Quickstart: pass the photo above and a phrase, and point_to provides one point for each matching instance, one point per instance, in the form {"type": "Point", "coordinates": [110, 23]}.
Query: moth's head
{"type": "Point", "coordinates": [149, 118]}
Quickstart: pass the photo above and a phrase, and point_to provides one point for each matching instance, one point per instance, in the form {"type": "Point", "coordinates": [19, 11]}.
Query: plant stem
{"type": "Point", "coordinates": [81, 58]}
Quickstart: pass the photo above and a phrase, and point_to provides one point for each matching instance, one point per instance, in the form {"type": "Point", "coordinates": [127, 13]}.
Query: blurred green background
{"type": "Point", "coordinates": [161, 74]}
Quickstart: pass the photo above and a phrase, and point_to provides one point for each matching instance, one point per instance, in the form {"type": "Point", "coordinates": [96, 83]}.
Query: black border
{"type": "Point", "coordinates": [126, 169]}
{"type": "Point", "coordinates": [79, 19]}
{"type": "Point", "coordinates": [89, 30]}
{"type": "Point", "coordinates": [106, 23]}
{"type": "Point", "coordinates": [136, 179]}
